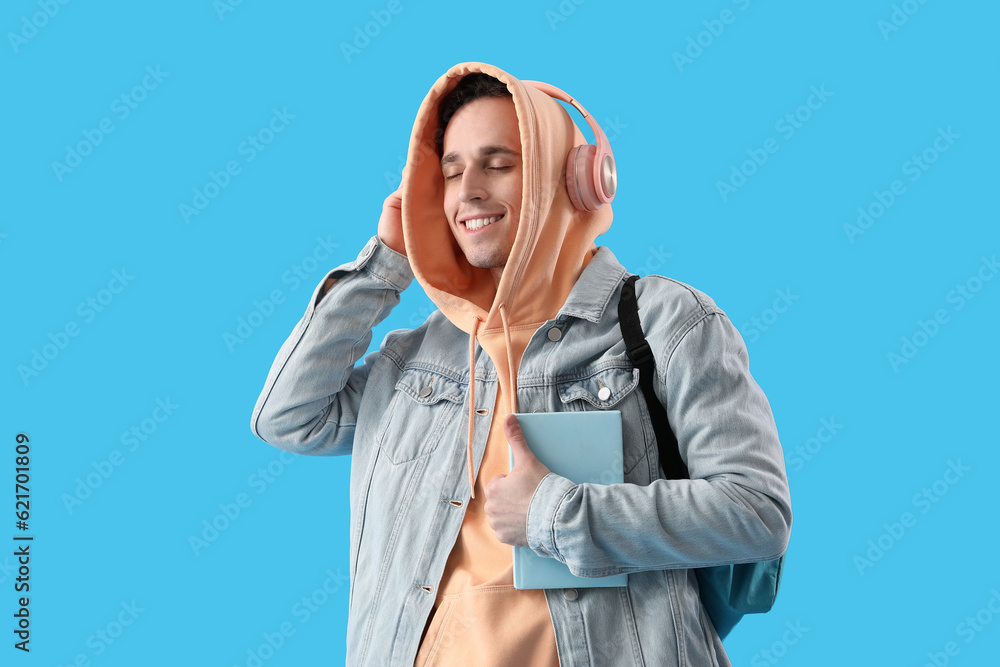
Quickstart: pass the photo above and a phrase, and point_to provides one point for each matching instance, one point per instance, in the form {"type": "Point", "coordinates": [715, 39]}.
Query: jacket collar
{"type": "Point", "coordinates": [598, 282]}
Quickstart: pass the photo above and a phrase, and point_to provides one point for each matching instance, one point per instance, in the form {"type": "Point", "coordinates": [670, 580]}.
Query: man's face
{"type": "Point", "coordinates": [482, 180]}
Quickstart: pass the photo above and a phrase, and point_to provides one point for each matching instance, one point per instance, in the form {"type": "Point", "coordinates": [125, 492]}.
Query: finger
{"type": "Point", "coordinates": [491, 485]}
{"type": "Point", "coordinates": [512, 428]}
{"type": "Point", "coordinates": [515, 437]}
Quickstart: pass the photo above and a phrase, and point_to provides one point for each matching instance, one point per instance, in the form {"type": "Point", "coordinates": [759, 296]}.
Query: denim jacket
{"type": "Point", "coordinates": [402, 415]}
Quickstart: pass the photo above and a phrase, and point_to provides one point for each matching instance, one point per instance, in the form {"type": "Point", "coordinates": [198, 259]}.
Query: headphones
{"type": "Point", "coordinates": [591, 178]}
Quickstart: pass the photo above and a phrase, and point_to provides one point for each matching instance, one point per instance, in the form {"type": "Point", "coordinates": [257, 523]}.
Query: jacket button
{"type": "Point", "coordinates": [570, 594]}
{"type": "Point", "coordinates": [604, 393]}
{"type": "Point", "coordinates": [425, 392]}
{"type": "Point", "coordinates": [555, 334]}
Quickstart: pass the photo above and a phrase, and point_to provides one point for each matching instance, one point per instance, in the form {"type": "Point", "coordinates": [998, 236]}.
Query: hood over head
{"type": "Point", "coordinates": [554, 241]}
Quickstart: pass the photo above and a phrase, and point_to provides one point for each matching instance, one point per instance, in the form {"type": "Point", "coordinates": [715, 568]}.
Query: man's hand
{"type": "Point", "coordinates": [390, 229]}
{"type": "Point", "coordinates": [390, 224]}
{"type": "Point", "coordinates": [508, 496]}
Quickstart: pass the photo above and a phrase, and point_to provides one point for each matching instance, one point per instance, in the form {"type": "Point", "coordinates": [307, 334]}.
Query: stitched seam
{"type": "Point", "coordinates": [568, 395]}
{"type": "Point", "coordinates": [520, 327]}
{"type": "Point", "coordinates": [591, 371]}
{"type": "Point", "coordinates": [552, 529]}
{"type": "Point", "coordinates": [256, 418]}
{"type": "Point", "coordinates": [385, 279]}
{"type": "Point", "coordinates": [633, 629]}
{"type": "Point", "coordinates": [595, 314]}
{"type": "Point", "coordinates": [390, 547]}
{"type": "Point", "coordinates": [675, 608]}
{"type": "Point", "coordinates": [662, 373]}
{"type": "Point", "coordinates": [693, 292]}
{"type": "Point", "coordinates": [439, 636]}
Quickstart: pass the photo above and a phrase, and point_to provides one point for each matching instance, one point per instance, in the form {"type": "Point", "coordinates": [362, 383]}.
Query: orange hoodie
{"type": "Point", "coordinates": [554, 243]}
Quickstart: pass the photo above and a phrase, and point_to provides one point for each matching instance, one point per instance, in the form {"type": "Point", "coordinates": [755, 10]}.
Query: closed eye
{"type": "Point", "coordinates": [448, 178]}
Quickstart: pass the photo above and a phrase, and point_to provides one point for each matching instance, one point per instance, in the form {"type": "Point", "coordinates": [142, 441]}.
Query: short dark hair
{"type": "Point", "coordinates": [471, 87]}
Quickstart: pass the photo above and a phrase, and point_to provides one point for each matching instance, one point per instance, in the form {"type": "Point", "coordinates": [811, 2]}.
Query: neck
{"type": "Point", "coordinates": [497, 272]}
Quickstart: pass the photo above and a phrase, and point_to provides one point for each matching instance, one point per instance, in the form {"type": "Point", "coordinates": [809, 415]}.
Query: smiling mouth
{"type": "Point", "coordinates": [475, 224]}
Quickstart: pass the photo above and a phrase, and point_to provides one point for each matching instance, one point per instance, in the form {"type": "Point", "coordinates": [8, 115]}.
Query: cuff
{"type": "Point", "coordinates": [380, 261]}
{"type": "Point", "coordinates": [542, 510]}
{"type": "Point", "coordinates": [387, 265]}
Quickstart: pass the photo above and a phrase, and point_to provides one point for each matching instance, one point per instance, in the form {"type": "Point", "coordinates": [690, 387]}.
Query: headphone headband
{"type": "Point", "coordinates": [591, 178]}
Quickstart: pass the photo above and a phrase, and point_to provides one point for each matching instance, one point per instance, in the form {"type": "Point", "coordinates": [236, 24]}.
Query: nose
{"type": "Point", "coordinates": [473, 186]}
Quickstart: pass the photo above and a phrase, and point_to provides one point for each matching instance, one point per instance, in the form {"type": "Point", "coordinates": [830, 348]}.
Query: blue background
{"type": "Point", "coordinates": [776, 242]}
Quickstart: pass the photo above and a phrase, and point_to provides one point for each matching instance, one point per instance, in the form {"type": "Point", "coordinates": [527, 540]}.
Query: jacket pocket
{"type": "Point", "coordinates": [614, 388]}
{"type": "Point", "coordinates": [424, 404]}
{"type": "Point", "coordinates": [601, 390]}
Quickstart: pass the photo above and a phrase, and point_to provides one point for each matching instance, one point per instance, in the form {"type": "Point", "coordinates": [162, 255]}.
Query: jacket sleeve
{"type": "Point", "coordinates": [310, 401]}
{"type": "Point", "coordinates": [735, 508]}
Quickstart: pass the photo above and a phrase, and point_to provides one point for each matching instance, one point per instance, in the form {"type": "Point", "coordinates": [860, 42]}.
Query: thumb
{"type": "Point", "coordinates": [515, 437]}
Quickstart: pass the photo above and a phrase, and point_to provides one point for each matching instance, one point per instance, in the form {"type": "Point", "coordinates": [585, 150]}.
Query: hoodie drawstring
{"type": "Point", "coordinates": [472, 401]}
{"type": "Point", "coordinates": [512, 389]}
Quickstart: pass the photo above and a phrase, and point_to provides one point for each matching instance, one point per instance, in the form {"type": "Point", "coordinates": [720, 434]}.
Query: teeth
{"type": "Point", "coordinates": [479, 223]}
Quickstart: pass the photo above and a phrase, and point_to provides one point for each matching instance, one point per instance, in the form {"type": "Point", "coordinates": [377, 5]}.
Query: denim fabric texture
{"type": "Point", "coordinates": [402, 415]}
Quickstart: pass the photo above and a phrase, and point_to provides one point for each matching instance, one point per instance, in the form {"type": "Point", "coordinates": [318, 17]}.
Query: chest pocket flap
{"type": "Point", "coordinates": [602, 389]}
{"type": "Point", "coordinates": [425, 404]}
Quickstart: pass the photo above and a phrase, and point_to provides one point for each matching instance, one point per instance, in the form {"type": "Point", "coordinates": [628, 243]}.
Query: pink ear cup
{"type": "Point", "coordinates": [583, 191]}
{"type": "Point", "coordinates": [579, 185]}
{"type": "Point", "coordinates": [591, 178]}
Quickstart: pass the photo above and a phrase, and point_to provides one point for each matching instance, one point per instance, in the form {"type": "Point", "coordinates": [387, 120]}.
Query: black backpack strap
{"type": "Point", "coordinates": [642, 358]}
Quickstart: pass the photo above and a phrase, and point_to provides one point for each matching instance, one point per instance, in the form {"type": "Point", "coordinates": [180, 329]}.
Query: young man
{"type": "Point", "coordinates": [527, 321]}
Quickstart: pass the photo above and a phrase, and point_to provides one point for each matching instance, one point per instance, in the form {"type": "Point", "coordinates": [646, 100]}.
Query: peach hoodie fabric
{"type": "Point", "coordinates": [478, 612]}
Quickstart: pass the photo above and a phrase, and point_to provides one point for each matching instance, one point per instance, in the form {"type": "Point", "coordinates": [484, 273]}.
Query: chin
{"type": "Point", "coordinates": [483, 262]}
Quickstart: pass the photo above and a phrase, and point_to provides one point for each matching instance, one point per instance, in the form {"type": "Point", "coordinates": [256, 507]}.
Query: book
{"type": "Point", "coordinates": [584, 447]}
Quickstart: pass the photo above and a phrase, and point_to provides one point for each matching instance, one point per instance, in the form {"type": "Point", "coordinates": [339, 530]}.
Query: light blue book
{"type": "Point", "coordinates": [582, 447]}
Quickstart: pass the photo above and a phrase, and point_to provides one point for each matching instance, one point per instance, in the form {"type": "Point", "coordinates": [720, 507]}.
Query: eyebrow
{"type": "Point", "coordinates": [485, 151]}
